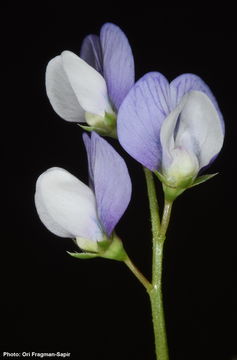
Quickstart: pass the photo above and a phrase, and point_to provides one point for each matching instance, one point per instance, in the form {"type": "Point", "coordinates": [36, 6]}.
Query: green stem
{"type": "Point", "coordinates": [156, 292]}
{"type": "Point", "coordinates": [158, 234]}
{"type": "Point", "coordinates": [153, 203]}
{"type": "Point", "coordinates": [155, 221]}
{"type": "Point", "coordinates": [138, 274]}
{"type": "Point", "coordinates": [156, 300]}
{"type": "Point", "coordinates": [154, 289]}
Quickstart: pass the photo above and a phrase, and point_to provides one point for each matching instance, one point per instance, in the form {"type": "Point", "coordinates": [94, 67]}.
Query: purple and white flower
{"type": "Point", "coordinates": [71, 209]}
{"type": "Point", "coordinates": [91, 88]}
{"type": "Point", "coordinates": [174, 128]}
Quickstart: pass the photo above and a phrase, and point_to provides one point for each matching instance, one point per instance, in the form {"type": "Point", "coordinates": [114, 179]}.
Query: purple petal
{"type": "Point", "coordinates": [188, 82]}
{"type": "Point", "coordinates": [140, 118]}
{"type": "Point", "coordinates": [118, 63]}
{"type": "Point", "coordinates": [91, 52]}
{"type": "Point", "coordinates": [90, 157]}
{"type": "Point", "coordinates": [112, 182]}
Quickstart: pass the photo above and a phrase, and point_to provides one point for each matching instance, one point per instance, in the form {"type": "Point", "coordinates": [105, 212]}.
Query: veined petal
{"type": "Point", "coordinates": [111, 180]}
{"type": "Point", "coordinates": [200, 122]}
{"type": "Point", "coordinates": [91, 52]}
{"type": "Point", "coordinates": [118, 63]}
{"type": "Point", "coordinates": [188, 82]}
{"type": "Point", "coordinates": [66, 206]}
{"type": "Point", "coordinates": [140, 118]}
{"type": "Point", "coordinates": [88, 85]}
{"type": "Point", "coordinates": [60, 92]}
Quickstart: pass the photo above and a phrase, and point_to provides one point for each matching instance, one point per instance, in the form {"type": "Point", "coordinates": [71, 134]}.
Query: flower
{"type": "Point", "coordinates": [71, 209]}
{"type": "Point", "coordinates": [92, 87]}
{"type": "Point", "coordinates": [173, 129]}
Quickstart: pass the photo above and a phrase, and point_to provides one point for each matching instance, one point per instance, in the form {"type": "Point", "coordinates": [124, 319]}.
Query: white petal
{"type": "Point", "coordinates": [194, 125]}
{"type": "Point", "coordinates": [60, 92]}
{"type": "Point", "coordinates": [88, 85]}
{"type": "Point", "coordinates": [167, 134]}
{"type": "Point", "coordinates": [200, 127]}
{"type": "Point", "coordinates": [66, 206]}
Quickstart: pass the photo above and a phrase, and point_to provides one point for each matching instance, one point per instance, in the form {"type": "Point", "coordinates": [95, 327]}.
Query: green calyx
{"type": "Point", "coordinates": [112, 249]}
{"type": "Point", "coordinates": [105, 126]}
{"type": "Point", "coordinates": [108, 248]}
{"type": "Point", "coordinates": [172, 191]}
{"type": "Point", "coordinates": [201, 179]}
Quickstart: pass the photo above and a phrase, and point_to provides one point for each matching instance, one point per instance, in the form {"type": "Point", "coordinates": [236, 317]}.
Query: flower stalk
{"type": "Point", "coordinates": [138, 274]}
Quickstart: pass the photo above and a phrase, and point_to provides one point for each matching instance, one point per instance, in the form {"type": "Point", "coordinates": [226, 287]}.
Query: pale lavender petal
{"type": "Point", "coordinates": [112, 182]}
{"type": "Point", "coordinates": [118, 63]}
{"type": "Point", "coordinates": [90, 157]}
{"type": "Point", "coordinates": [91, 52]}
{"type": "Point", "coordinates": [188, 82]}
{"type": "Point", "coordinates": [140, 118]}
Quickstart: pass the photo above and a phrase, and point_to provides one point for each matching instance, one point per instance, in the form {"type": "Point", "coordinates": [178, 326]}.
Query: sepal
{"type": "Point", "coordinates": [114, 250]}
{"type": "Point", "coordinates": [160, 176]}
{"type": "Point", "coordinates": [103, 245]}
{"type": "Point", "coordinates": [82, 255]}
{"type": "Point", "coordinates": [172, 192]}
{"type": "Point", "coordinates": [110, 119]}
{"type": "Point", "coordinates": [98, 130]}
{"type": "Point", "coordinates": [201, 179]}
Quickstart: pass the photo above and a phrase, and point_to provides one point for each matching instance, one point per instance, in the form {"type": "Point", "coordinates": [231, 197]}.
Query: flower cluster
{"type": "Point", "coordinates": [174, 129]}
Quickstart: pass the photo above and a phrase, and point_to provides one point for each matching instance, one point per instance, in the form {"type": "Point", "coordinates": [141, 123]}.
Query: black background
{"type": "Point", "coordinates": [96, 309]}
